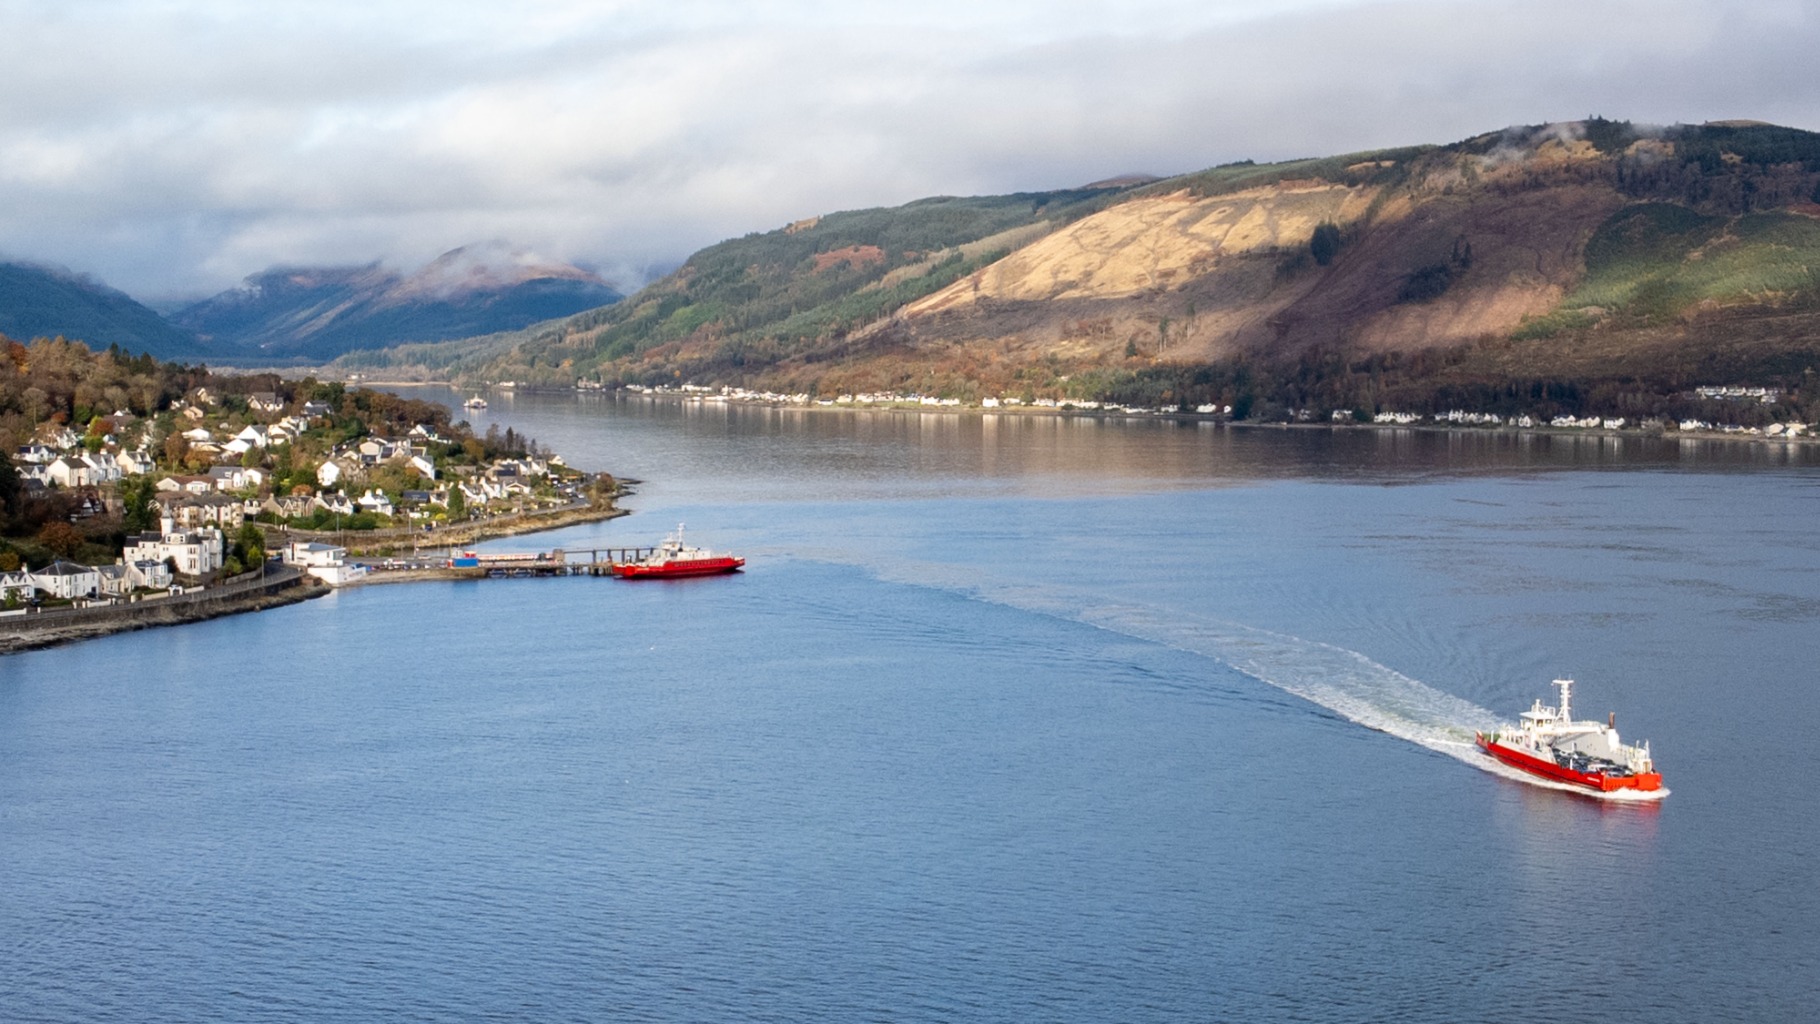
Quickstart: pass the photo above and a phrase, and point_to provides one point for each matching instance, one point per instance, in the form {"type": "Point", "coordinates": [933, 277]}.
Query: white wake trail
{"type": "Point", "coordinates": [1343, 681]}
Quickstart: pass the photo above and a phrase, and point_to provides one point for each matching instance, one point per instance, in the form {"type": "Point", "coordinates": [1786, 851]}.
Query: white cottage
{"type": "Point", "coordinates": [193, 553]}
{"type": "Point", "coordinates": [67, 580]}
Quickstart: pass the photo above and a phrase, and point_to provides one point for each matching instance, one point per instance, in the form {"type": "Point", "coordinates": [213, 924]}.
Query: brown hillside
{"type": "Point", "coordinates": [1186, 278]}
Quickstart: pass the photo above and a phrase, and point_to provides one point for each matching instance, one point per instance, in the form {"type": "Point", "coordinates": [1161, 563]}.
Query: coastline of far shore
{"type": "Point", "coordinates": [1537, 429]}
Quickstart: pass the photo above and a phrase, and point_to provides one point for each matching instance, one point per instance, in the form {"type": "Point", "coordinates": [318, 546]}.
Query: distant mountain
{"type": "Point", "coordinates": [38, 301]}
{"type": "Point", "coordinates": [319, 313]}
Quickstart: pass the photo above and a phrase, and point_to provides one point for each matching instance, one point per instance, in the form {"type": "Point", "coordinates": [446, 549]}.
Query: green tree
{"type": "Point", "coordinates": [139, 495]}
{"type": "Point", "coordinates": [458, 504]}
{"type": "Point", "coordinates": [249, 544]}
{"type": "Point", "coordinates": [1325, 244]}
{"type": "Point", "coordinates": [11, 487]}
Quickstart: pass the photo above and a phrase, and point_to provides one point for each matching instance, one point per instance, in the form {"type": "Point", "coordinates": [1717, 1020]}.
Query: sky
{"type": "Point", "coordinates": [172, 147]}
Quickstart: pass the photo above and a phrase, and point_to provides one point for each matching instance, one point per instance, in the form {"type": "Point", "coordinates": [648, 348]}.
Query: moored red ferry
{"type": "Point", "coordinates": [1548, 742]}
{"type": "Point", "coordinates": [674, 558]}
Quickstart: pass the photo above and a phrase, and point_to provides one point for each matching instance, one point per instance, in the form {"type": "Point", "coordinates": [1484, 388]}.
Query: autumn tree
{"type": "Point", "coordinates": [61, 538]}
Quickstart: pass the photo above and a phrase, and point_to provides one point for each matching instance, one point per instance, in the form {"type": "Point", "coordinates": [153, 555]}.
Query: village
{"type": "Point", "coordinates": [1735, 396]}
{"type": "Point", "coordinates": [204, 490]}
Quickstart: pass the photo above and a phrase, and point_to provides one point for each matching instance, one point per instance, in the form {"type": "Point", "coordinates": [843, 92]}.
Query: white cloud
{"type": "Point", "coordinates": [180, 146]}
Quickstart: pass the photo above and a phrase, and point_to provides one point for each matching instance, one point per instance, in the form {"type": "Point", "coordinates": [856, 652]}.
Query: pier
{"type": "Point", "coordinates": [467, 565]}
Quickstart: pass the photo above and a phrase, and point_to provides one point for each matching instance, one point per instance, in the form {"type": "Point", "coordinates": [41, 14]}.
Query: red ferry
{"type": "Point", "coordinates": [1549, 743]}
{"type": "Point", "coordinates": [673, 558]}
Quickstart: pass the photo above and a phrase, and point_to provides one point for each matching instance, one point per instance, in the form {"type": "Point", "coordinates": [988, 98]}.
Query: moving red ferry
{"type": "Point", "coordinates": [674, 558]}
{"type": "Point", "coordinates": [1549, 743]}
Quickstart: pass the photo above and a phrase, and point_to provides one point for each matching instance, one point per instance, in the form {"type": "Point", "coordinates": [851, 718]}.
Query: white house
{"type": "Point", "coordinates": [67, 580]}
{"type": "Point", "coordinates": [330, 473]}
{"type": "Point", "coordinates": [185, 483]}
{"type": "Point", "coordinates": [16, 586]}
{"type": "Point", "coordinates": [68, 471]}
{"type": "Point", "coordinates": [114, 580]}
{"type": "Point", "coordinates": [326, 562]}
{"type": "Point", "coordinates": [135, 463]}
{"type": "Point", "coordinates": [310, 554]}
{"type": "Point", "coordinates": [195, 553]}
{"type": "Point", "coordinates": [337, 503]}
{"type": "Point", "coordinates": [147, 573]}
{"type": "Point", "coordinates": [423, 465]}
{"type": "Point", "coordinates": [101, 468]}
{"type": "Point", "coordinates": [373, 501]}
{"type": "Point", "coordinates": [227, 478]}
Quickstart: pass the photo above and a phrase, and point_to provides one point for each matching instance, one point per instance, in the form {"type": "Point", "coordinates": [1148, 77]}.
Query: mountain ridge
{"type": "Point", "coordinates": [1471, 248]}
{"type": "Point", "coordinates": [320, 312]}
{"type": "Point", "coordinates": [38, 300]}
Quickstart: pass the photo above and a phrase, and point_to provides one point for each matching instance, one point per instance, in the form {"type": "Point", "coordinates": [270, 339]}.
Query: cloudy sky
{"type": "Point", "coordinates": [172, 147]}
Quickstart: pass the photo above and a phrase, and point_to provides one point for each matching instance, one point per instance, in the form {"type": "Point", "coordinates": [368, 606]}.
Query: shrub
{"type": "Point", "coordinates": [1325, 244]}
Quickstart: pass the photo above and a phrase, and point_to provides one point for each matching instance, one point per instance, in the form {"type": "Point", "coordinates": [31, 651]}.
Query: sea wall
{"type": "Point", "coordinates": [25, 630]}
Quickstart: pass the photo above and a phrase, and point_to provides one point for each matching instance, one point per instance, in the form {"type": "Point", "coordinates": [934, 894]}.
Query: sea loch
{"type": "Point", "coordinates": [1008, 719]}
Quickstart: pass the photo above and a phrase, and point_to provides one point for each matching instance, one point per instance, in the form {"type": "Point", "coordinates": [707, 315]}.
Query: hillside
{"type": "Point", "coordinates": [42, 302]}
{"type": "Point", "coordinates": [319, 313]}
{"type": "Point", "coordinates": [1596, 250]}
{"type": "Point", "coordinates": [745, 305]}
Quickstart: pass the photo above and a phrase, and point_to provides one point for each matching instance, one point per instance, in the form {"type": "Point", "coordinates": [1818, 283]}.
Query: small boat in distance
{"type": "Point", "coordinates": [673, 558]}
{"type": "Point", "coordinates": [1548, 742]}
{"type": "Point", "coordinates": [476, 402]}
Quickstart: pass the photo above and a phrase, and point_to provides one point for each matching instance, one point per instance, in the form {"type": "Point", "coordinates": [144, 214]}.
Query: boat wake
{"type": "Point", "coordinates": [1342, 681]}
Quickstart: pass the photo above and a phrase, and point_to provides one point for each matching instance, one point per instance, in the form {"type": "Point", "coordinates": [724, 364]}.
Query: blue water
{"type": "Point", "coordinates": [1041, 721]}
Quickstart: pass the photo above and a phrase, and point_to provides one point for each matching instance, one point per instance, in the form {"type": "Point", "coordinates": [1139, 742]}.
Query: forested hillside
{"type": "Point", "coordinates": [44, 302]}
{"type": "Point", "coordinates": [1596, 262]}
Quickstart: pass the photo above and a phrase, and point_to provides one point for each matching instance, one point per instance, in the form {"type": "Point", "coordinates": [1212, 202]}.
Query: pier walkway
{"type": "Point", "coordinates": [462, 565]}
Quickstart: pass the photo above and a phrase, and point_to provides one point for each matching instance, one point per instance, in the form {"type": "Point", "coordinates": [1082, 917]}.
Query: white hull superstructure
{"type": "Point", "coordinates": [1548, 742]}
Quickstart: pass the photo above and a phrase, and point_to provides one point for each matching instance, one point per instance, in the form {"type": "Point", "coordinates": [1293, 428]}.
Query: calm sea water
{"type": "Point", "coordinates": [1009, 719]}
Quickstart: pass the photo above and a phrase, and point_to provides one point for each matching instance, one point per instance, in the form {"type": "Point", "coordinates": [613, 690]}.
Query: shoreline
{"type": "Point", "coordinates": [154, 615]}
{"type": "Point", "coordinates": [1541, 429]}
{"type": "Point", "coordinates": [467, 533]}
{"type": "Point", "coordinates": [113, 619]}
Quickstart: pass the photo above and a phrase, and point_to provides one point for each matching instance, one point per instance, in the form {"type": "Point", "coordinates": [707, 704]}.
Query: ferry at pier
{"type": "Point", "coordinates": [1548, 742]}
{"type": "Point", "coordinates": [673, 558]}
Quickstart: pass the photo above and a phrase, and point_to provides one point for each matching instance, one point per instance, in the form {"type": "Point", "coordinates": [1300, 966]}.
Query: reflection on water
{"type": "Point", "coordinates": [736, 451]}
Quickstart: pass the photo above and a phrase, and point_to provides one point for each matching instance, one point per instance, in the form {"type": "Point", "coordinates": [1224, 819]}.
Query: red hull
{"type": "Point", "coordinates": [673, 570]}
{"type": "Point", "coordinates": [1645, 781]}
